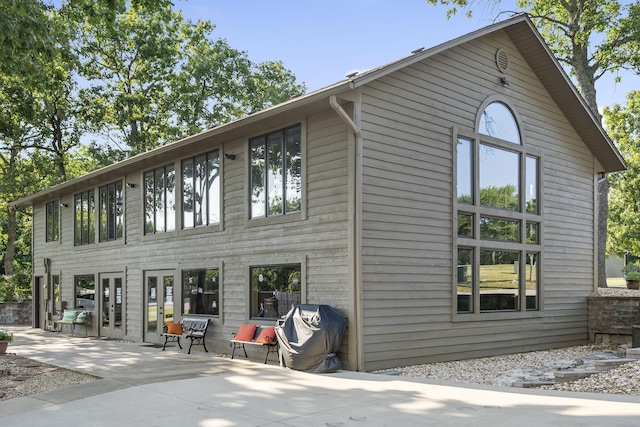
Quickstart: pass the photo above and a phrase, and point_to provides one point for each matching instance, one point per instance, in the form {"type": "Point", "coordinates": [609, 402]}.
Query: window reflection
{"type": "Point", "coordinates": [275, 289]}
{"type": "Point", "coordinates": [499, 280]}
{"type": "Point", "coordinates": [499, 172]}
{"type": "Point", "coordinates": [465, 280]}
{"type": "Point", "coordinates": [499, 229]}
{"type": "Point", "coordinates": [532, 233]}
{"type": "Point", "coordinates": [531, 192]}
{"type": "Point", "coordinates": [465, 225]}
{"type": "Point", "coordinates": [497, 121]}
{"type": "Point", "coordinates": [531, 278]}
{"type": "Point", "coordinates": [276, 173]}
{"type": "Point", "coordinates": [464, 177]}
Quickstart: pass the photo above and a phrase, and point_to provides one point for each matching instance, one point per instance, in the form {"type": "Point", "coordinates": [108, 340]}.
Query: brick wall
{"type": "Point", "coordinates": [15, 313]}
{"type": "Point", "coordinates": [610, 318]}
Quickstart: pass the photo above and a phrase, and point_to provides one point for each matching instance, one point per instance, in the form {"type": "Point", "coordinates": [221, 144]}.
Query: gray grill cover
{"type": "Point", "coordinates": [309, 337]}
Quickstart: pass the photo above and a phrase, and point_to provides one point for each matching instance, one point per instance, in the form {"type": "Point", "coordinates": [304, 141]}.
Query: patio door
{"type": "Point", "coordinates": [111, 306]}
{"type": "Point", "coordinates": [159, 292]}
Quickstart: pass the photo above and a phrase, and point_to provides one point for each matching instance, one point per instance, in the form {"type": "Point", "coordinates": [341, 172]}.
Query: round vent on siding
{"type": "Point", "coordinates": [502, 60]}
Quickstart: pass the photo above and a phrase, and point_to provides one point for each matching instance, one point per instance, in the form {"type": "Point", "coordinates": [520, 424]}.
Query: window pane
{"type": "Point", "coordinates": [464, 171]}
{"type": "Point", "coordinates": [170, 197]}
{"type": "Point", "coordinates": [499, 280]}
{"type": "Point", "coordinates": [200, 182]}
{"type": "Point", "coordinates": [85, 218]}
{"type": "Point", "coordinates": [274, 176]}
{"type": "Point", "coordinates": [497, 121]}
{"type": "Point", "coordinates": [499, 229]}
{"type": "Point", "coordinates": [531, 277]}
{"type": "Point", "coordinates": [91, 208]}
{"type": "Point", "coordinates": [57, 290]}
{"type": "Point", "coordinates": [149, 203]}
{"type": "Point", "coordinates": [111, 212]}
{"type": "Point", "coordinates": [104, 205]}
{"type": "Point", "coordinates": [200, 291]}
{"type": "Point", "coordinates": [532, 185]}
{"type": "Point", "coordinates": [499, 177]}
{"type": "Point", "coordinates": [52, 221]}
{"type": "Point", "coordinates": [85, 292]}
{"type": "Point", "coordinates": [119, 210]}
{"type": "Point", "coordinates": [258, 192]}
{"type": "Point", "coordinates": [167, 301]}
{"type": "Point", "coordinates": [274, 290]}
{"type": "Point", "coordinates": [294, 170]}
{"type": "Point", "coordinates": [465, 280]}
{"type": "Point", "coordinates": [465, 225]}
{"type": "Point", "coordinates": [213, 187]}
{"type": "Point", "coordinates": [78, 218]}
{"type": "Point", "coordinates": [187, 194]}
{"type": "Point", "coordinates": [152, 304]}
{"type": "Point", "coordinates": [160, 189]}
{"type": "Point", "coordinates": [532, 232]}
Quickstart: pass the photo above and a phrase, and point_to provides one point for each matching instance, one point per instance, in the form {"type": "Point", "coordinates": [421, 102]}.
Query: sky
{"type": "Point", "coordinates": [322, 41]}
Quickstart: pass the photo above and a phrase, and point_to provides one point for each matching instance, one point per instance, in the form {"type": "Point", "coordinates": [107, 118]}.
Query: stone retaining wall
{"type": "Point", "coordinates": [15, 313]}
{"type": "Point", "coordinates": [610, 318]}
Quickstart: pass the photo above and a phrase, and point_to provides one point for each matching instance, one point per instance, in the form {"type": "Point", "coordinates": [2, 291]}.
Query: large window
{"type": "Point", "coordinates": [85, 291]}
{"type": "Point", "coordinates": [201, 291]}
{"type": "Point", "coordinates": [52, 221]}
{"type": "Point", "coordinates": [85, 212]}
{"type": "Point", "coordinates": [275, 289]}
{"type": "Point", "coordinates": [276, 173]}
{"type": "Point", "coordinates": [498, 217]}
{"type": "Point", "coordinates": [160, 200]}
{"type": "Point", "coordinates": [201, 190]}
{"type": "Point", "coordinates": [111, 211]}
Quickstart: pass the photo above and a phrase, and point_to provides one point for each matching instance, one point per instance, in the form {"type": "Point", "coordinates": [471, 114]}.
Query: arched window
{"type": "Point", "coordinates": [498, 215]}
{"type": "Point", "coordinates": [497, 120]}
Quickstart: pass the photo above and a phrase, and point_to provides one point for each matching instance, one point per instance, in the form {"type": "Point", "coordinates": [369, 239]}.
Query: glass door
{"type": "Point", "coordinates": [159, 293]}
{"type": "Point", "coordinates": [112, 306]}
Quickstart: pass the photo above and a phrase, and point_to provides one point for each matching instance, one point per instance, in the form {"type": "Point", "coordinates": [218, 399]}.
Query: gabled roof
{"type": "Point", "coordinates": [522, 33]}
{"type": "Point", "coordinates": [529, 42]}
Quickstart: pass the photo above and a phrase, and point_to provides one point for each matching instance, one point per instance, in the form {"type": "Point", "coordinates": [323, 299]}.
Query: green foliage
{"type": "Point", "coordinates": [631, 271]}
{"type": "Point", "coordinates": [154, 77]}
{"type": "Point", "coordinates": [15, 287]}
{"type": "Point", "coordinates": [120, 76]}
{"type": "Point", "coordinates": [623, 124]}
{"type": "Point", "coordinates": [6, 336]}
{"type": "Point", "coordinates": [276, 278]}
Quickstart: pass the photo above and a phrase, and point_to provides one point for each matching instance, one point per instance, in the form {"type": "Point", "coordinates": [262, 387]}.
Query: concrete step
{"type": "Point", "coordinates": [633, 353]}
{"type": "Point", "coordinates": [606, 365]}
{"type": "Point", "coordinates": [564, 376]}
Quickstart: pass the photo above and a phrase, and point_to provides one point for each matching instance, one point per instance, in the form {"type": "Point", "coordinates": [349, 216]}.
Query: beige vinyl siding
{"type": "Point", "coordinates": [317, 239]}
{"type": "Point", "coordinates": [407, 238]}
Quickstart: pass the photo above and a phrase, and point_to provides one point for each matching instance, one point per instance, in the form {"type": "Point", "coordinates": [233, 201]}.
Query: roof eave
{"type": "Point", "coordinates": [128, 165]}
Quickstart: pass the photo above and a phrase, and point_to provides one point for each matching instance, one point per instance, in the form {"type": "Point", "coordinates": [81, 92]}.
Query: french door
{"type": "Point", "coordinates": [111, 306]}
{"type": "Point", "coordinates": [159, 298]}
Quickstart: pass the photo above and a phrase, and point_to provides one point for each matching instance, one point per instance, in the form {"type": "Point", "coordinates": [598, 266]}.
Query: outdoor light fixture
{"type": "Point", "coordinates": [504, 81]}
{"type": "Point", "coordinates": [230, 156]}
{"type": "Point", "coordinates": [64, 205]}
{"type": "Point", "coordinates": [131, 185]}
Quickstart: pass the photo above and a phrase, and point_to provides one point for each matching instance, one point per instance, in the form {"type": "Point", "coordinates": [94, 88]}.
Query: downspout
{"type": "Point", "coordinates": [345, 117]}
{"type": "Point", "coordinates": [354, 237]}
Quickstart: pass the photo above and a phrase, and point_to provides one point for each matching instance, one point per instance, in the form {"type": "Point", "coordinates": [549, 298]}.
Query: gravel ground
{"type": "Point", "coordinates": [20, 376]}
{"type": "Point", "coordinates": [540, 366]}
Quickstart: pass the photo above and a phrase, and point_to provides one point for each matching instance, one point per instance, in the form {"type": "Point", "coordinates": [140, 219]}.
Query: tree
{"type": "Point", "coordinates": [128, 65]}
{"type": "Point", "coordinates": [132, 73]}
{"type": "Point", "coordinates": [161, 77]}
{"type": "Point", "coordinates": [570, 28]}
{"type": "Point", "coordinates": [623, 124]}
